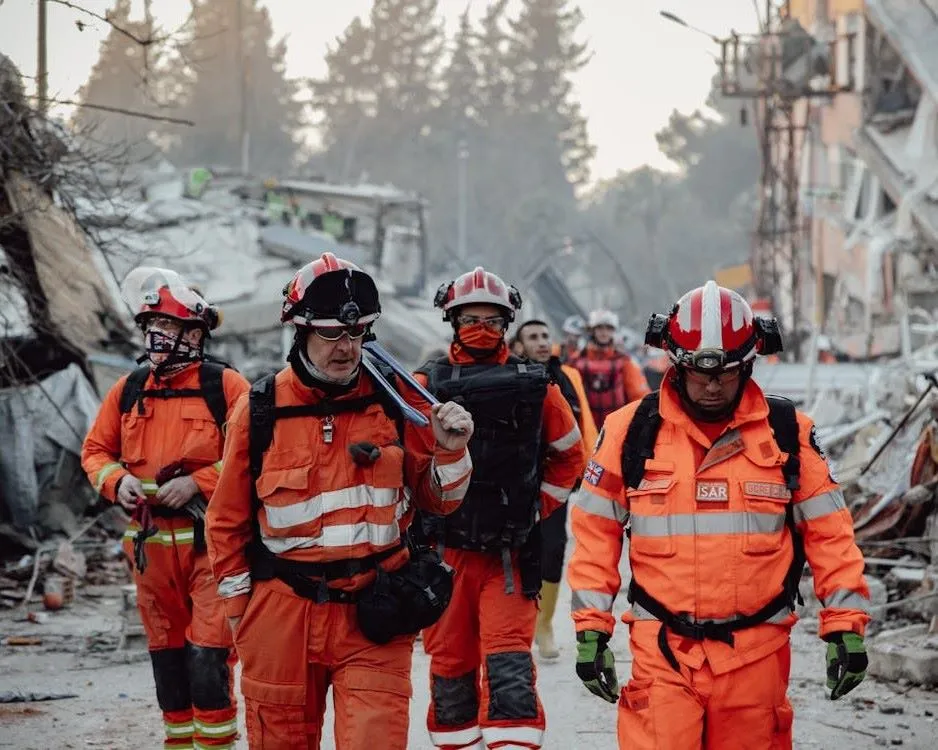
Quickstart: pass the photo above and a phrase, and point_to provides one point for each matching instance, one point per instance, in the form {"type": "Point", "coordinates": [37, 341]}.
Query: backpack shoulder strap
{"type": "Point", "coordinates": [783, 420]}
{"type": "Point", "coordinates": [261, 400]}
{"type": "Point", "coordinates": [133, 387]}
{"type": "Point", "coordinates": [639, 444]}
{"type": "Point", "coordinates": [211, 381]}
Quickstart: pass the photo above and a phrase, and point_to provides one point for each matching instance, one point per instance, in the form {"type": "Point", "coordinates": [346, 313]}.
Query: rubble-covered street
{"type": "Point", "coordinates": [115, 705]}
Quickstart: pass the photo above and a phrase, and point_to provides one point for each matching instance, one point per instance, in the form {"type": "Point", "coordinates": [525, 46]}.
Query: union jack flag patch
{"type": "Point", "coordinates": [594, 472]}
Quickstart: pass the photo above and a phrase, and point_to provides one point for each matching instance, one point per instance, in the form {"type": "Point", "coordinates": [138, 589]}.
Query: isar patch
{"type": "Point", "coordinates": [713, 492]}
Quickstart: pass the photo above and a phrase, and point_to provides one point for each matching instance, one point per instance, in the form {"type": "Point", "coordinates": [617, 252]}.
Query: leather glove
{"type": "Point", "coordinates": [846, 663]}
{"type": "Point", "coordinates": [596, 665]}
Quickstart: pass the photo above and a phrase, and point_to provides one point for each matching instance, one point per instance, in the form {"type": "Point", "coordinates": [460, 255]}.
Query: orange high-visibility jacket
{"type": "Point", "coordinates": [708, 533]}
{"type": "Point", "coordinates": [565, 458]}
{"type": "Point", "coordinates": [316, 503]}
{"type": "Point", "coordinates": [168, 430]}
{"type": "Point", "coordinates": [587, 424]}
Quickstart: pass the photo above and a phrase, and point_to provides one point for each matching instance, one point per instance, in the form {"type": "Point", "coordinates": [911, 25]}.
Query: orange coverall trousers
{"type": "Point", "coordinates": [188, 638]}
{"type": "Point", "coordinates": [293, 649]}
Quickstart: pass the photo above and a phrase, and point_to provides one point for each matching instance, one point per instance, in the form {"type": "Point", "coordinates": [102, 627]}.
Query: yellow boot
{"type": "Point", "coordinates": [544, 635]}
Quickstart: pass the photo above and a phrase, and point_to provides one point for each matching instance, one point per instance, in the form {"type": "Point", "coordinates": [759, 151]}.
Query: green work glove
{"type": "Point", "coordinates": [846, 663]}
{"type": "Point", "coordinates": [596, 665]}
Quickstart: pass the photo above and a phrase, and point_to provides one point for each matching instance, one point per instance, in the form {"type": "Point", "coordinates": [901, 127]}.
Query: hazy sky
{"type": "Point", "coordinates": [642, 66]}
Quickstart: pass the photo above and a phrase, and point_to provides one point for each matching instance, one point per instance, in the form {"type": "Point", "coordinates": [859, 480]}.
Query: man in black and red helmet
{"type": "Point", "coordinates": [726, 492]}
{"type": "Point", "coordinates": [526, 455]}
{"type": "Point", "coordinates": [155, 448]}
{"type": "Point", "coordinates": [309, 539]}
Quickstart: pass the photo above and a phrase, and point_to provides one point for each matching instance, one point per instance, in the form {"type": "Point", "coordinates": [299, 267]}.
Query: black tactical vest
{"type": "Point", "coordinates": [558, 376]}
{"type": "Point", "coordinates": [506, 403]}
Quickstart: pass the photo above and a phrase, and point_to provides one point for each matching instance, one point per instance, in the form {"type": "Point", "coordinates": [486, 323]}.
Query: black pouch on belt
{"type": "Point", "coordinates": [530, 562]}
{"type": "Point", "coordinates": [408, 600]}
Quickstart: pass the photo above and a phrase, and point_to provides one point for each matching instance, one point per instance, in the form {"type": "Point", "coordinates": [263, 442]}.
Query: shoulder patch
{"type": "Point", "coordinates": [600, 438]}
{"type": "Point", "coordinates": [816, 444]}
{"type": "Point", "coordinates": [594, 472]}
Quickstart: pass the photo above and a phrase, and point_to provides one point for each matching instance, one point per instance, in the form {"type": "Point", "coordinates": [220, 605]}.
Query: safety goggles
{"type": "Point", "coordinates": [496, 322]}
{"type": "Point", "coordinates": [703, 378]}
{"type": "Point", "coordinates": [334, 333]}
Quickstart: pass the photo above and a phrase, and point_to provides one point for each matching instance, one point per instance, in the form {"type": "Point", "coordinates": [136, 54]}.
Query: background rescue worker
{"type": "Point", "coordinates": [294, 550]}
{"type": "Point", "coordinates": [169, 422]}
{"type": "Point", "coordinates": [526, 454]}
{"type": "Point", "coordinates": [612, 378]}
{"type": "Point", "coordinates": [573, 328]}
{"type": "Point", "coordinates": [534, 335]}
{"type": "Point", "coordinates": [727, 490]}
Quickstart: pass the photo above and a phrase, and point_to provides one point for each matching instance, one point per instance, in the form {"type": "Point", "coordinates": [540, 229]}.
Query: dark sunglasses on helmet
{"type": "Point", "coordinates": [334, 333]}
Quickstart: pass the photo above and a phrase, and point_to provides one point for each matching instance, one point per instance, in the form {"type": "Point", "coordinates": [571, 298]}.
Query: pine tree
{"type": "Point", "coordinates": [544, 55]}
{"type": "Point", "coordinates": [126, 76]}
{"type": "Point", "coordinates": [461, 100]}
{"type": "Point", "coordinates": [213, 90]}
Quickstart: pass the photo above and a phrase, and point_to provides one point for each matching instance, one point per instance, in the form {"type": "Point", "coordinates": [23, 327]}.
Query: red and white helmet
{"type": "Point", "coordinates": [330, 291]}
{"type": "Point", "coordinates": [153, 292]}
{"type": "Point", "coordinates": [712, 328]}
{"type": "Point", "coordinates": [477, 287]}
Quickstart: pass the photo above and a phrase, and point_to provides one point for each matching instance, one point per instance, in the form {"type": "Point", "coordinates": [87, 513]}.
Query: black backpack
{"type": "Point", "coordinates": [211, 389]}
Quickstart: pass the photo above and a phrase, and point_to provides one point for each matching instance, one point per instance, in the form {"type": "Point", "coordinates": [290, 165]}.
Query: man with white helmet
{"type": "Point", "coordinates": [612, 378]}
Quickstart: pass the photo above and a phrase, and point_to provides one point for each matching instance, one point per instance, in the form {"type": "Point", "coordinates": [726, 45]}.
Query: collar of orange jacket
{"type": "Point", "coordinates": [459, 356]}
{"type": "Point", "coordinates": [752, 408]}
{"type": "Point", "coordinates": [308, 395]}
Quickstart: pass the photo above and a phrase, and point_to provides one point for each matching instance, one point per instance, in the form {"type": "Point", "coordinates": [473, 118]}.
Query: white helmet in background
{"type": "Point", "coordinates": [574, 325]}
{"type": "Point", "coordinates": [603, 318]}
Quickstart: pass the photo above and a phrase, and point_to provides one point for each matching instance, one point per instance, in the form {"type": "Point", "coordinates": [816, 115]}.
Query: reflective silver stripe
{"type": "Point", "coordinates": [457, 737]}
{"type": "Point", "coordinates": [523, 736]}
{"type": "Point", "coordinates": [640, 613]}
{"type": "Point", "coordinates": [235, 585]}
{"type": "Point", "coordinates": [456, 493]}
{"type": "Point", "coordinates": [449, 473]}
{"type": "Point", "coordinates": [598, 505]}
{"type": "Point", "coordinates": [179, 730]}
{"type": "Point", "coordinates": [847, 599]}
{"type": "Point", "coordinates": [341, 535]}
{"type": "Point", "coordinates": [357, 496]}
{"type": "Point", "coordinates": [217, 466]}
{"type": "Point", "coordinates": [560, 494]}
{"type": "Point", "coordinates": [196, 745]}
{"type": "Point", "coordinates": [567, 441]}
{"type": "Point", "coordinates": [227, 727]}
{"type": "Point", "coordinates": [586, 599]}
{"type": "Point", "coordinates": [104, 473]}
{"type": "Point", "coordinates": [700, 524]}
{"type": "Point", "coordinates": [819, 506]}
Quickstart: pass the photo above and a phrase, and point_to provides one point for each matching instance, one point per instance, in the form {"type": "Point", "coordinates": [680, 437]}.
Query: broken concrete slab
{"type": "Point", "coordinates": [908, 653]}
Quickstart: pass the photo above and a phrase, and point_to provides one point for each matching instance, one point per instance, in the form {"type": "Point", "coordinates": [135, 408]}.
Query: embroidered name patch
{"type": "Point", "coordinates": [713, 492]}
{"type": "Point", "coordinates": [767, 489]}
{"type": "Point", "coordinates": [594, 472]}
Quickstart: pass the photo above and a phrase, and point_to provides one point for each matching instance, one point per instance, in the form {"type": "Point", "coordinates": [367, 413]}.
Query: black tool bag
{"type": "Point", "coordinates": [407, 600]}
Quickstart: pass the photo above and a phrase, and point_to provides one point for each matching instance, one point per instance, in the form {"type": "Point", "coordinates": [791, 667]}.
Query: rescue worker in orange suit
{"type": "Point", "coordinates": [572, 329]}
{"type": "Point", "coordinates": [612, 378]}
{"type": "Point", "coordinates": [309, 524]}
{"type": "Point", "coordinates": [168, 421]}
{"type": "Point", "coordinates": [534, 335]}
{"type": "Point", "coordinates": [526, 454]}
{"type": "Point", "coordinates": [726, 491]}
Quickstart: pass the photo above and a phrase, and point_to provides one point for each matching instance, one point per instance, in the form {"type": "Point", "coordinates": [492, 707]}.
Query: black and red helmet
{"type": "Point", "coordinates": [330, 291]}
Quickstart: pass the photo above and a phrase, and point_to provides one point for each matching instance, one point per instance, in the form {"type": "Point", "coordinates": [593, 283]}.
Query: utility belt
{"type": "Point", "coordinates": [401, 602]}
{"type": "Point", "coordinates": [712, 630]}
{"type": "Point", "coordinates": [198, 524]}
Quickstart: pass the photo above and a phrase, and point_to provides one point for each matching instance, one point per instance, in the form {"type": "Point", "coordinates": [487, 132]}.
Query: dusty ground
{"type": "Point", "coordinates": [116, 706]}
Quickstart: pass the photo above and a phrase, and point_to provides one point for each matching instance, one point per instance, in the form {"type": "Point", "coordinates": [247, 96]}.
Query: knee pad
{"type": "Point", "coordinates": [511, 686]}
{"type": "Point", "coordinates": [172, 679]}
{"type": "Point", "coordinates": [455, 699]}
{"type": "Point", "coordinates": [209, 677]}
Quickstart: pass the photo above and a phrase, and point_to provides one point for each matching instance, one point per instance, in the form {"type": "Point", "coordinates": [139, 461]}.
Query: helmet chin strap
{"type": "Point", "coordinates": [710, 415]}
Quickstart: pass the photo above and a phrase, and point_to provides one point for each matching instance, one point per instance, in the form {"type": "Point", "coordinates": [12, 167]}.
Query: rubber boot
{"type": "Point", "coordinates": [544, 635]}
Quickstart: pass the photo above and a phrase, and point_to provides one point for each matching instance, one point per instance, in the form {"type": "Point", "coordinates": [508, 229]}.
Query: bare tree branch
{"type": "Point", "coordinates": [125, 32]}
{"type": "Point", "coordinates": [120, 111]}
